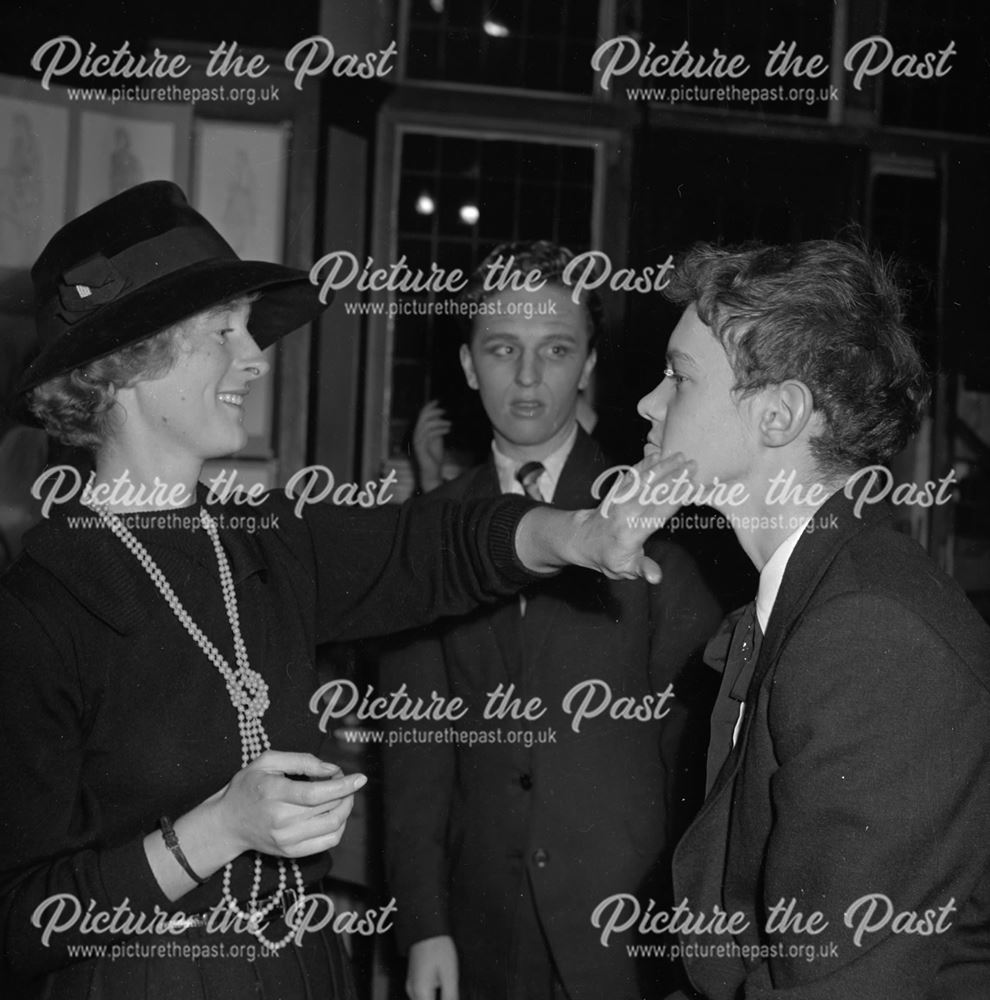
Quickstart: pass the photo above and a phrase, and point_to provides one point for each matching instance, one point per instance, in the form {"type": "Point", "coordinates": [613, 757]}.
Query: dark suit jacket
{"type": "Point", "coordinates": [583, 816]}
{"type": "Point", "coordinates": [861, 770]}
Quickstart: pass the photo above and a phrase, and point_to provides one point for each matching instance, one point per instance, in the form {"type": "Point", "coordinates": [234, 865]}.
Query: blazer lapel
{"type": "Point", "coordinates": [833, 526]}
{"type": "Point", "coordinates": [573, 492]}
{"type": "Point", "coordinates": [505, 619]}
{"type": "Point", "coordinates": [700, 857]}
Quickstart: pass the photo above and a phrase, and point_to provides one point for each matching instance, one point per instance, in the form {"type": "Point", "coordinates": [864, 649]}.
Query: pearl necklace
{"type": "Point", "coordinates": [248, 692]}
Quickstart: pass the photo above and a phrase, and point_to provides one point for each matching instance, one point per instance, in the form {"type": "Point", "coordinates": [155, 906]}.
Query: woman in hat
{"type": "Point", "coordinates": [165, 809]}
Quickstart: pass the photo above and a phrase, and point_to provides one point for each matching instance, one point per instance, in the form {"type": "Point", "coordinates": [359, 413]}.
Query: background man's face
{"type": "Point", "coordinates": [693, 409]}
{"type": "Point", "coordinates": [528, 363]}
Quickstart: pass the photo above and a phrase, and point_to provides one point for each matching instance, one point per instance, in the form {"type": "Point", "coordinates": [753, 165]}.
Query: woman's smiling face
{"type": "Point", "coordinates": [196, 409]}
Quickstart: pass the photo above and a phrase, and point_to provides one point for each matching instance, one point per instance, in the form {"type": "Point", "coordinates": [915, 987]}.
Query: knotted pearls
{"type": "Point", "coordinates": [248, 692]}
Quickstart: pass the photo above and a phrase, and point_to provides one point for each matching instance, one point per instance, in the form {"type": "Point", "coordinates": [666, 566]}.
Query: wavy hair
{"type": "Point", "coordinates": [827, 314]}
{"type": "Point", "coordinates": [77, 407]}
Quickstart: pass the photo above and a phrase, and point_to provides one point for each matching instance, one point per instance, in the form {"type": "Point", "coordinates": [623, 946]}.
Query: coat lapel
{"type": "Point", "coordinates": [700, 858]}
{"type": "Point", "coordinates": [573, 492]}
{"type": "Point", "coordinates": [505, 619]}
{"type": "Point", "coordinates": [834, 525]}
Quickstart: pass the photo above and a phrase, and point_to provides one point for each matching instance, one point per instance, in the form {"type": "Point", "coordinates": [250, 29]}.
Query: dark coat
{"type": "Point", "coordinates": [583, 817]}
{"type": "Point", "coordinates": [861, 768]}
{"type": "Point", "coordinates": [112, 716]}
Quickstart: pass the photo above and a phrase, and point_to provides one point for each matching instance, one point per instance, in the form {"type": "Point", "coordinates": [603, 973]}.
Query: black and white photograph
{"type": "Point", "coordinates": [495, 500]}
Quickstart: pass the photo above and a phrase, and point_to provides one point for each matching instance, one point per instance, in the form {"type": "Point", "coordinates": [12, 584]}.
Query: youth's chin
{"type": "Point", "coordinates": [524, 433]}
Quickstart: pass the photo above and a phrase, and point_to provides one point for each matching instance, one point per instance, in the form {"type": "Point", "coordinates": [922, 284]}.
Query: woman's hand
{"type": "Point", "coordinates": [268, 806]}
{"type": "Point", "coordinates": [610, 539]}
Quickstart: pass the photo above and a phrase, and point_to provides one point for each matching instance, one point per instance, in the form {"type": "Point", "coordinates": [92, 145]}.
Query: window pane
{"type": "Point", "coordinates": [512, 43]}
{"type": "Point", "coordinates": [459, 197]}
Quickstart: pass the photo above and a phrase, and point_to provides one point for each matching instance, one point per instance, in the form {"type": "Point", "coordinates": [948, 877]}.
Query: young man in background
{"type": "Point", "coordinates": [498, 853]}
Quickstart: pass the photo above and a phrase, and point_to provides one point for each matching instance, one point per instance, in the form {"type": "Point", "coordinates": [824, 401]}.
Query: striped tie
{"type": "Point", "coordinates": [528, 476]}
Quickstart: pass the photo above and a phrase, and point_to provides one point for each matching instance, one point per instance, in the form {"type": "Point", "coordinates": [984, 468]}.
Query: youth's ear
{"type": "Point", "coordinates": [785, 411]}
{"type": "Point", "coordinates": [589, 366]}
{"type": "Point", "coordinates": [467, 364]}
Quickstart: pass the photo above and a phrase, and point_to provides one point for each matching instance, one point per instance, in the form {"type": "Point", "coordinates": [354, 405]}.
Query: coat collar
{"type": "Point", "coordinates": [833, 527]}
{"type": "Point", "coordinates": [700, 856]}
{"type": "Point", "coordinates": [105, 577]}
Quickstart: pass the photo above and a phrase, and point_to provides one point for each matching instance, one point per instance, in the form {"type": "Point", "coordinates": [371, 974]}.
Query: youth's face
{"type": "Point", "coordinates": [693, 409]}
{"type": "Point", "coordinates": [528, 363]}
{"type": "Point", "coordinates": [196, 410]}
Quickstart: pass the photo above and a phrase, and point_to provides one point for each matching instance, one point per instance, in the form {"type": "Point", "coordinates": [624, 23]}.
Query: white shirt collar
{"type": "Point", "coordinates": [553, 465]}
{"type": "Point", "coordinates": [772, 574]}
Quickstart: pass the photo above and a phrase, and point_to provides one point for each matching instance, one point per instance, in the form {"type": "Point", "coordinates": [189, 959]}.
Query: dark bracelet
{"type": "Point", "coordinates": [172, 843]}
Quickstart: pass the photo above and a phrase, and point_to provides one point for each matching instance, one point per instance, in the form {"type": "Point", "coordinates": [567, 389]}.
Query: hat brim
{"type": "Point", "coordinates": [288, 301]}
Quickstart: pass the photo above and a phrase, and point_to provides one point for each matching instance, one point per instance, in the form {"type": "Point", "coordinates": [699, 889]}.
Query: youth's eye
{"type": "Point", "coordinates": [222, 335]}
{"type": "Point", "coordinates": [500, 350]}
{"type": "Point", "coordinates": [670, 373]}
{"type": "Point", "coordinates": [559, 350]}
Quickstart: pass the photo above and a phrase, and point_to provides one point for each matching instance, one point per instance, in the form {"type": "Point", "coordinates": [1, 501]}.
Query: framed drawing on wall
{"type": "Point", "coordinates": [239, 178]}
{"type": "Point", "coordinates": [34, 165]}
{"type": "Point", "coordinates": [126, 145]}
{"type": "Point", "coordinates": [239, 182]}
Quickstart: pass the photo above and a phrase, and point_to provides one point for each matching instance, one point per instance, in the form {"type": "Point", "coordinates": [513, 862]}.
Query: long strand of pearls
{"type": "Point", "coordinates": [248, 692]}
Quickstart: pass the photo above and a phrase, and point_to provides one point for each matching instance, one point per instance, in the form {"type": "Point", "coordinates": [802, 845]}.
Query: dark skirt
{"type": "Point", "coordinates": [197, 965]}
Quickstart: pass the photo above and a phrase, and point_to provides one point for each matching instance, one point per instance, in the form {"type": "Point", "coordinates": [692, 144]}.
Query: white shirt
{"type": "Point", "coordinates": [772, 574]}
{"type": "Point", "coordinates": [771, 577]}
{"type": "Point", "coordinates": [506, 468]}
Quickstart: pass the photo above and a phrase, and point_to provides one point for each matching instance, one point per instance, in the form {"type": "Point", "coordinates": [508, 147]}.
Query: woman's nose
{"type": "Point", "coordinates": [252, 359]}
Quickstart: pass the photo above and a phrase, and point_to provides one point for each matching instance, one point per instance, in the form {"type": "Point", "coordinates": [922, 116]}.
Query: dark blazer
{"type": "Point", "coordinates": [583, 817]}
{"type": "Point", "coordinates": [860, 776]}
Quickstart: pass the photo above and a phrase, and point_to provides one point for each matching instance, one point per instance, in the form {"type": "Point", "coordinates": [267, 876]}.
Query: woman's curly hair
{"type": "Point", "coordinates": [77, 408]}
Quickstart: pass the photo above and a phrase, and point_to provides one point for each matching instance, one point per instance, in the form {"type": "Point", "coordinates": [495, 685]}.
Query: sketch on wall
{"type": "Point", "coordinates": [34, 153]}
{"type": "Point", "coordinates": [239, 182]}
{"type": "Point", "coordinates": [118, 151]}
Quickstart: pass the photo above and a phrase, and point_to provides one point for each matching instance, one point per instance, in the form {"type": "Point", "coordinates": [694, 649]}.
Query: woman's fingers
{"type": "Point", "coordinates": [301, 827]}
{"type": "Point", "coordinates": [287, 762]}
{"type": "Point", "coordinates": [317, 794]}
{"type": "Point", "coordinates": [266, 801]}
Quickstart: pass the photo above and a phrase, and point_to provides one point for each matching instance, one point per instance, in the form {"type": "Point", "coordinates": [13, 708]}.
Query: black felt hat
{"type": "Point", "coordinates": [138, 263]}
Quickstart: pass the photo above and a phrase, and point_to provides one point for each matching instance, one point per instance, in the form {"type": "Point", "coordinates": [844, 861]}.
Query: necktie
{"type": "Point", "coordinates": [740, 663]}
{"type": "Point", "coordinates": [528, 476]}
